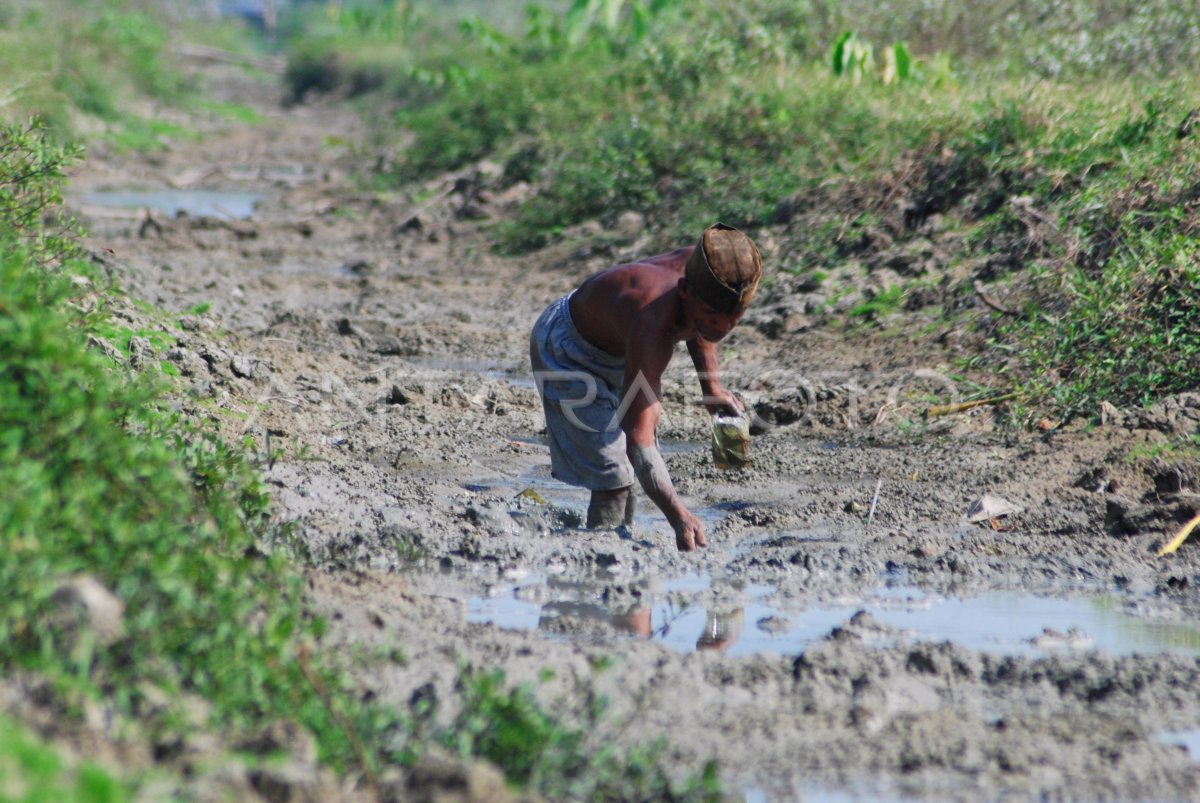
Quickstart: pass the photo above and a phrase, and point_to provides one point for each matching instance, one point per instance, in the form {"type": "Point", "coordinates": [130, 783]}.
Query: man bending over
{"type": "Point", "coordinates": [599, 354]}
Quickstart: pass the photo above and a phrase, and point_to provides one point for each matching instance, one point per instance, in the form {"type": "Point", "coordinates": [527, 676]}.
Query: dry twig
{"type": "Point", "coordinates": [962, 407]}
{"type": "Point", "coordinates": [1180, 537]}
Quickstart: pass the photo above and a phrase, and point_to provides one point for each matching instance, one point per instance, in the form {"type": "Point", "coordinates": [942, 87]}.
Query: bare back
{"type": "Point", "coordinates": [634, 300]}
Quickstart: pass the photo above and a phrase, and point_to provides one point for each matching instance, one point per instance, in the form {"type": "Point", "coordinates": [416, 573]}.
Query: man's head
{"type": "Point", "coordinates": [724, 270]}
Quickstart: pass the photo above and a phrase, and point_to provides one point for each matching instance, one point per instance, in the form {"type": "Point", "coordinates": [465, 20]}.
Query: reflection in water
{"type": "Point", "coordinates": [1187, 739]}
{"type": "Point", "coordinates": [999, 622]}
{"type": "Point", "coordinates": [721, 629]}
{"type": "Point", "coordinates": [170, 202]}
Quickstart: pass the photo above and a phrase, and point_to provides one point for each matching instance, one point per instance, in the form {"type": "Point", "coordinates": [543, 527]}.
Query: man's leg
{"type": "Point", "coordinates": [631, 506]}
{"type": "Point", "coordinates": [607, 509]}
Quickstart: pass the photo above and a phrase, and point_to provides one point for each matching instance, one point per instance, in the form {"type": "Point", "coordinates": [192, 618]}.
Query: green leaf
{"type": "Point", "coordinates": [904, 61]}
{"type": "Point", "coordinates": [838, 60]}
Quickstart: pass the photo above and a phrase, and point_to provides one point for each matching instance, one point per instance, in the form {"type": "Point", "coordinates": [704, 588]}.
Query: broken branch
{"type": "Point", "coordinates": [962, 407]}
{"type": "Point", "coordinates": [1180, 537]}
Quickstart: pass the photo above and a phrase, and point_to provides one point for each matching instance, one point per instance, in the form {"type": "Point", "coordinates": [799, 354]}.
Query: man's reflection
{"type": "Point", "coordinates": [721, 628]}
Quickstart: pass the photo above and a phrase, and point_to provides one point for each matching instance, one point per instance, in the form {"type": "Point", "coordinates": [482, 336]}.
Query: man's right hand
{"type": "Point", "coordinates": [689, 532]}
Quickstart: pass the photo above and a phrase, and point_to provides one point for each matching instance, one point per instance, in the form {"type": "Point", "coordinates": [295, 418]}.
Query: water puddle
{"type": "Point", "coordinates": [818, 794]}
{"type": "Point", "coordinates": [745, 620]}
{"type": "Point", "coordinates": [517, 376]}
{"type": "Point", "coordinates": [170, 202]}
{"type": "Point", "coordinates": [550, 491]}
{"type": "Point", "coordinates": [1187, 739]}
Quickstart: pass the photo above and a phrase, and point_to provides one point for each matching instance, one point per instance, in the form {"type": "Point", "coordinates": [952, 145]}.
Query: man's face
{"type": "Point", "coordinates": [710, 324]}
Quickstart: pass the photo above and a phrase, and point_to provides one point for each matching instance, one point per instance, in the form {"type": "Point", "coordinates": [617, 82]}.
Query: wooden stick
{"type": "Point", "coordinates": [989, 301]}
{"type": "Point", "coordinates": [1180, 537]}
{"type": "Point", "coordinates": [874, 502]}
{"type": "Point", "coordinates": [962, 407]}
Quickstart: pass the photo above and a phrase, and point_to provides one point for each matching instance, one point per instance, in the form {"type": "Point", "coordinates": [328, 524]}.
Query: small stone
{"type": "Point", "coordinates": [389, 345]}
{"type": "Point", "coordinates": [106, 348]}
{"type": "Point", "coordinates": [243, 366]}
{"type": "Point", "coordinates": [82, 602]}
{"type": "Point", "coordinates": [140, 351]}
{"type": "Point", "coordinates": [399, 395]}
{"type": "Point", "coordinates": [358, 267]}
{"type": "Point", "coordinates": [989, 507]}
{"type": "Point", "coordinates": [441, 777]}
{"type": "Point", "coordinates": [630, 223]}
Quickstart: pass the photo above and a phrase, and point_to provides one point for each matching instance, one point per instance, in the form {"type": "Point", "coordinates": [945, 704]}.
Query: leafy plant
{"type": "Point", "coordinates": [558, 757]}
{"type": "Point", "coordinates": [30, 771]}
{"type": "Point", "coordinates": [852, 56]}
{"type": "Point", "coordinates": [612, 17]}
{"type": "Point", "coordinates": [898, 64]}
{"type": "Point", "coordinates": [881, 304]}
{"type": "Point", "coordinates": [1128, 334]}
{"type": "Point", "coordinates": [31, 176]}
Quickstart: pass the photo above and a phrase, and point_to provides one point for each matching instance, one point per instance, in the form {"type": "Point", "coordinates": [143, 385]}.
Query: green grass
{"type": "Point", "coordinates": [1179, 447]}
{"type": "Point", "coordinates": [233, 112]}
{"type": "Point", "coordinates": [94, 57]}
{"type": "Point", "coordinates": [98, 474]}
{"type": "Point", "coordinates": [133, 133]}
{"type": "Point", "coordinates": [32, 772]}
{"type": "Point", "coordinates": [882, 304]}
{"type": "Point", "coordinates": [1063, 149]}
{"type": "Point", "coordinates": [1127, 334]}
{"type": "Point", "coordinates": [561, 757]}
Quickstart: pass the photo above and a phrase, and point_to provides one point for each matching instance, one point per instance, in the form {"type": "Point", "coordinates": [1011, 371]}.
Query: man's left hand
{"type": "Point", "coordinates": [722, 401]}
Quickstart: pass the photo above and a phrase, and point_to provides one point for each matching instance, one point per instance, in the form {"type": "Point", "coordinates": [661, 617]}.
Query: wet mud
{"type": "Point", "coordinates": [849, 631]}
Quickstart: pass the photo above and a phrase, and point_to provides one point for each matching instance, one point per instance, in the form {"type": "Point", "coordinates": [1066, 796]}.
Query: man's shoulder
{"type": "Point", "coordinates": [671, 260]}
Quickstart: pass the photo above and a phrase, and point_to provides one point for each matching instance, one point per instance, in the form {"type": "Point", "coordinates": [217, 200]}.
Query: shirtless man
{"type": "Point", "coordinates": [599, 354]}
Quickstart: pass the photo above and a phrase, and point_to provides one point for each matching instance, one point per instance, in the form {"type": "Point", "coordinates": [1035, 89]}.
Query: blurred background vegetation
{"type": "Point", "coordinates": [1055, 137]}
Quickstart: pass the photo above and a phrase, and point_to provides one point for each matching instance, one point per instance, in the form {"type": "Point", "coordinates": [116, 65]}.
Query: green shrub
{"type": "Point", "coordinates": [30, 771]}
{"type": "Point", "coordinates": [98, 57]}
{"type": "Point", "coordinates": [559, 757]}
{"type": "Point", "coordinates": [31, 176]}
{"type": "Point", "coordinates": [98, 475]}
{"type": "Point", "coordinates": [1126, 334]}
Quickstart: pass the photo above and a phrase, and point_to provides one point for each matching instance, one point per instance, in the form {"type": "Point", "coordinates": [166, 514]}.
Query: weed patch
{"type": "Point", "coordinates": [558, 757]}
{"type": "Point", "coordinates": [1127, 334]}
{"type": "Point", "coordinates": [31, 771]}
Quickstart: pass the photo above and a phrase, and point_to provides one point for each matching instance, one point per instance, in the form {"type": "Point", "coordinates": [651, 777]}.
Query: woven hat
{"type": "Point", "coordinates": [724, 269]}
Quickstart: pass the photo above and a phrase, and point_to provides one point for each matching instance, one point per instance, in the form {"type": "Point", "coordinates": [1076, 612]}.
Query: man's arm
{"type": "Point", "coordinates": [643, 382]}
{"type": "Point", "coordinates": [717, 397]}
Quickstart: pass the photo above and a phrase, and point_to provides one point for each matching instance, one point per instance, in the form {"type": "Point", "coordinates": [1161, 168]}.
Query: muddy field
{"type": "Point", "coordinates": [848, 633]}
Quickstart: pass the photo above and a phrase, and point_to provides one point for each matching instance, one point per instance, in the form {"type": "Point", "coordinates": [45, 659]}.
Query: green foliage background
{"type": "Point", "coordinates": [757, 114]}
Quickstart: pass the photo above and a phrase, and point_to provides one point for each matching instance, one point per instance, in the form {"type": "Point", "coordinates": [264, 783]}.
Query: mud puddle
{"type": "Point", "coordinates": [1188, 740]}
{"type": "Point", "coordinates": [815, 794]}
{"type": "Point", "coordinates": [567, 504]}
{"type": "Point", "coordinates": [695, 612]}
{"type": "Point", "coordinates": [434, 369]}
{"type": "Point", "coordinates": [172, 202]}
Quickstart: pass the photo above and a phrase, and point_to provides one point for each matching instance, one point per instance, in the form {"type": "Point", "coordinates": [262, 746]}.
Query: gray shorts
{"type": "Point", "coordinates": [580, 386]}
